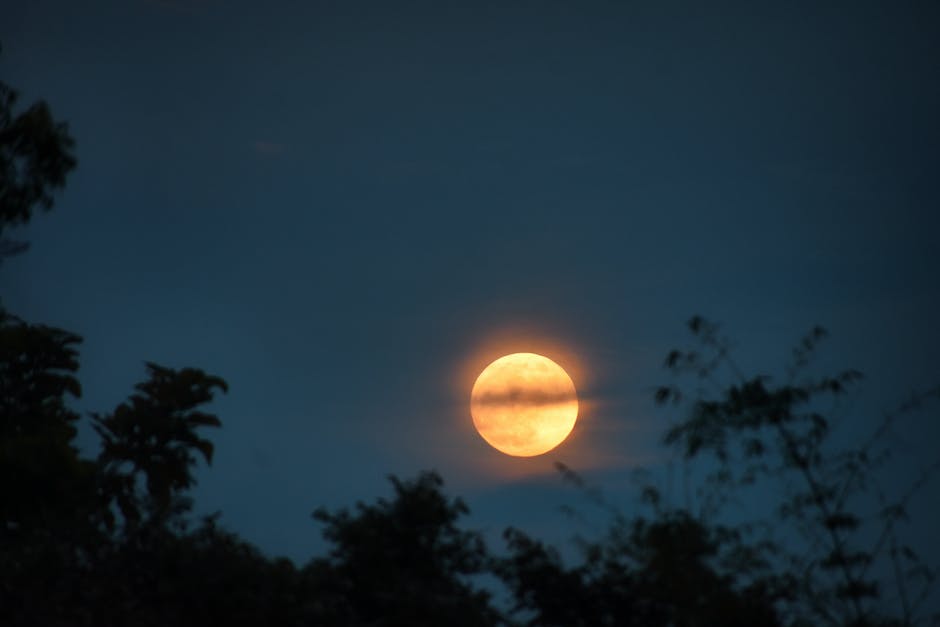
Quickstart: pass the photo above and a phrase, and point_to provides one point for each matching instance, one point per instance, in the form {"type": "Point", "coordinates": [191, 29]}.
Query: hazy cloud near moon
{"type": "Point", "coordinates": [524, 396]}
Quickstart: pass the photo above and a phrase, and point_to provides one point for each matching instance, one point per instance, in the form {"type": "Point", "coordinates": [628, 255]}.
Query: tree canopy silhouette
{"type": "Point", "coordinates": [35, 158]}
{"type": "Point", "coordinates": [405, 561]}
{"type": "Point", "coordinates": [757, 431]}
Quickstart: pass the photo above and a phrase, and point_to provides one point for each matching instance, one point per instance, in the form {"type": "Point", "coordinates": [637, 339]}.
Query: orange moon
{"type": "Point", "coordinates": [524, 404]}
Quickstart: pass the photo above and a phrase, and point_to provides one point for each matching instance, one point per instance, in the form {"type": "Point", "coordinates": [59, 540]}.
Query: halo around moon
{"type": "Point", "coordinates": [524, 404]}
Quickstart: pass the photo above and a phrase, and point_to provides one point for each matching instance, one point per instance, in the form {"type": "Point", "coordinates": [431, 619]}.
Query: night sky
{"type": "Point", "coordinates": [347, 209]}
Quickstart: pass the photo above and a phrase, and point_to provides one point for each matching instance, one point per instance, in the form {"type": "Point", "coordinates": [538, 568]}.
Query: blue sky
{"type": "Point", "coordinates": [347, 209]}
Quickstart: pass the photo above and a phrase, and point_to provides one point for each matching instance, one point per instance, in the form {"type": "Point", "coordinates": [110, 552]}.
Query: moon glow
{"type": "Point", "coordinates": [524, 404]}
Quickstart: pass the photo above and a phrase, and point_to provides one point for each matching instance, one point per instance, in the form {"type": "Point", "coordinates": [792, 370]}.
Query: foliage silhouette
{"type": "Point", "coordinates": [755, 430]}
{"type": "Point", "coordinates": [153, 437]}
{"type": "Point", "coordinates": [58, 536]}
{"type": "Point", "coordinates": [646, 573]}
{"type": "Point", "coordinates": [49, 493]}
{"type": "Point", "coordinates": [36, 155]}
{"type": "Point", "coordinates": [405, 561]}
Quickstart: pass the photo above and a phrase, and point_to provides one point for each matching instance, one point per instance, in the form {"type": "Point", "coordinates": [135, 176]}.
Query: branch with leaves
{"type": "Point", "coordinates": [755, 429]}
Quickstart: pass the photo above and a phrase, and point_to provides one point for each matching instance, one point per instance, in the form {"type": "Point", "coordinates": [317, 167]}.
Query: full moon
{"type": "Point", "coordinates": [524, 404]}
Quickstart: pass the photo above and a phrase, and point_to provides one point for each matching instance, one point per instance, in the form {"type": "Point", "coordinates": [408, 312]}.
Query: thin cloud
{"type": "Point", "coordinates": [181, 6]}
{"type": "Point", "coordinates": [268, 148]}
{"type": "Point", "coordinates": [524, 397]}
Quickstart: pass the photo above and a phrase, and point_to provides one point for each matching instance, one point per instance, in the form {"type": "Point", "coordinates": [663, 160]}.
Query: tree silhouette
{"type": "Point", "coordinates": [47, 509]}
{"type": "Point", "coordinates": [151, 439]}
{"type": "Point", "coordinates": [757, 430]}
{"type": "Point", "coordinates": [405, 561]}
{"type": "Point", "coordinates": [653, 573]}
{"type": "Point", "coordinates": [35, 158]}
{"type": "Point", "coordinates": [63, 559]}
